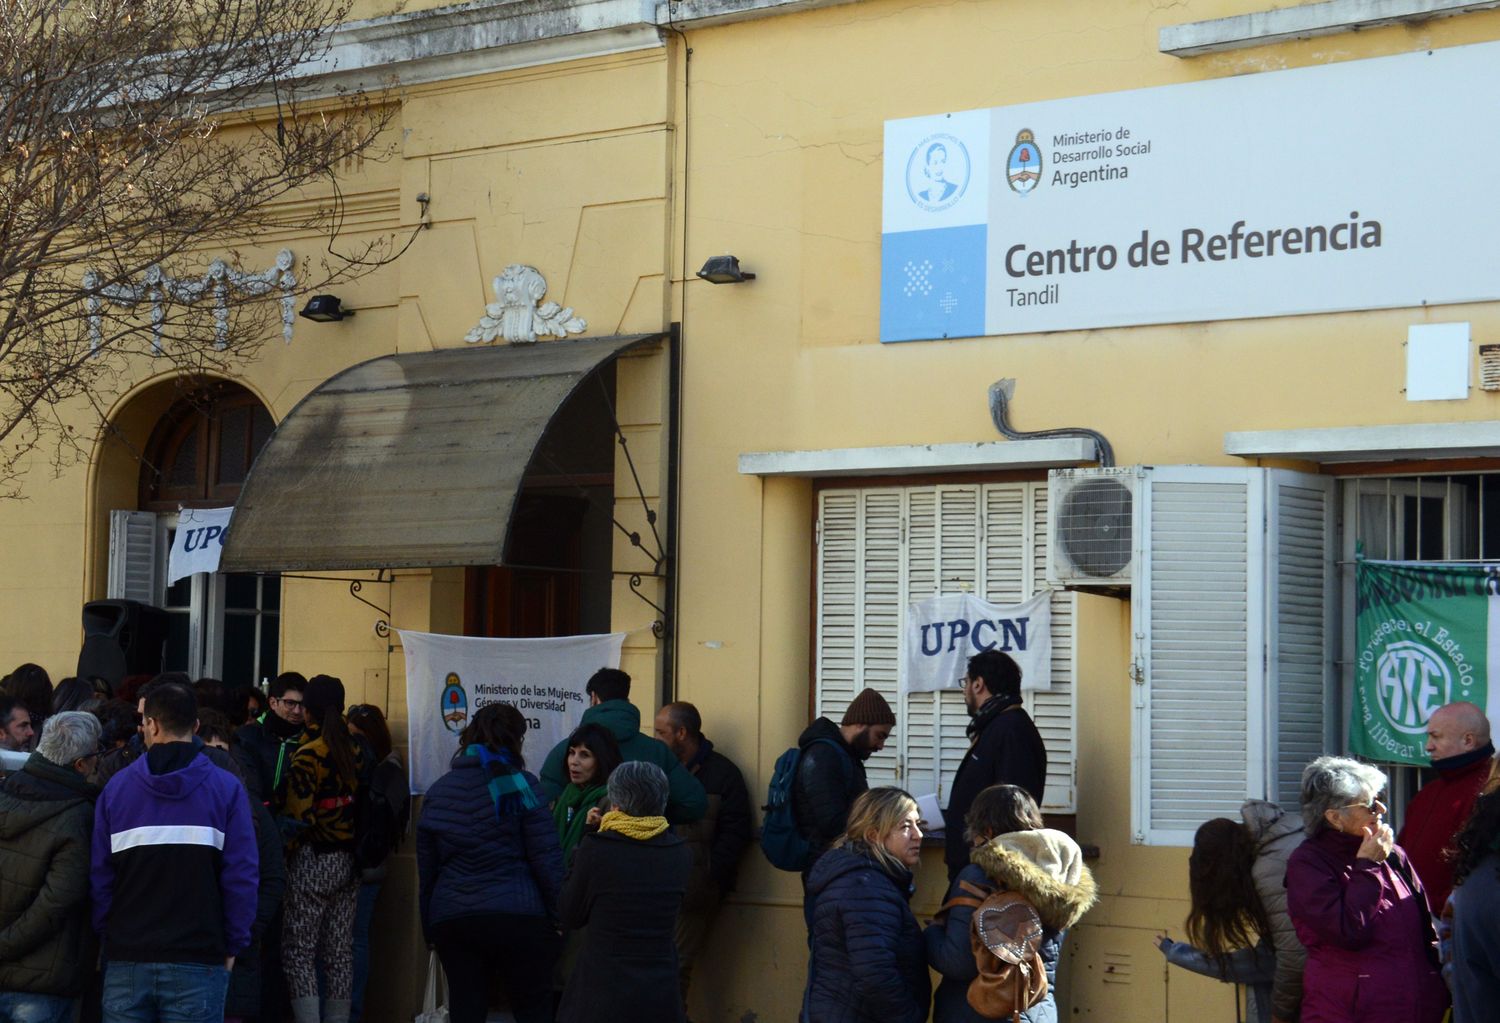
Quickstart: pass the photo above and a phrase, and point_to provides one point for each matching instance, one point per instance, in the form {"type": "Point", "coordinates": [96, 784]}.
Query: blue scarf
{"type": "Point", "coordinates": [509, 789]}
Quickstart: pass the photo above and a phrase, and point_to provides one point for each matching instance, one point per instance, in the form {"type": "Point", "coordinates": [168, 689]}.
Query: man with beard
{"type": "Point", "coordinates": [1004, 747]}
{"type": "Point", "coordinates": [831, 772]}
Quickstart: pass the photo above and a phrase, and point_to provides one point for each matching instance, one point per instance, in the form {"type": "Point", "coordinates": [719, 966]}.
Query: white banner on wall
{"type": "Point", "coordinates": [1358, 185]}
{"type": "Point", "coordinates": [942, 633]}
{"type": "Point", "coordinates": [198, 542]}
{"type": "Point", "coordinates": [448, 678]}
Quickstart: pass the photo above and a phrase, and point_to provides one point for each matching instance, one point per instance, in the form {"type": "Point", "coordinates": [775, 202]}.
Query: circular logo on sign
{"type": "Point", "coordinates": [937, 172]}
{"type": "Point", "coordinates": [1412, 681]}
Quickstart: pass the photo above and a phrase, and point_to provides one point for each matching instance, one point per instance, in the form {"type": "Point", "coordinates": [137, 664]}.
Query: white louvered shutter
{"type": "Point", "coordinates": [1053, 709]}
{"type": "Point", "coordinates": [135, 571]}
{"type": "Point", "coordinates": [920, 735]}
{"type": "Point", "coordinates": [988, 540]}
{"type": "Point", "coordinates": [1300, 587]}
{"type": "Point", "coordinates": [1198, 608]}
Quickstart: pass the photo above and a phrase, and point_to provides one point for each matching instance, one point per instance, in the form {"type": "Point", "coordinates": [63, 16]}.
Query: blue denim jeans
{"type": "Point", "coordinates": [22, 1007]}
{"type": "Point", "coordinates": [164, 992]}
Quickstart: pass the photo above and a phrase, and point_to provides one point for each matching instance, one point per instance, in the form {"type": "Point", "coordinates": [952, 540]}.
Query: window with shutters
{"type": "Point", "coordinates": [1231, 607]}
{"type": "Point", "coordinates": [222, 626]}
{"type": "Point", "coordinates": [881, 548]}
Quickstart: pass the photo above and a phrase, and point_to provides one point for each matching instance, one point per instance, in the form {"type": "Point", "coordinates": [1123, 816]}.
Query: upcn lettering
{"type": "Point", "coordinates": [1198, 247]}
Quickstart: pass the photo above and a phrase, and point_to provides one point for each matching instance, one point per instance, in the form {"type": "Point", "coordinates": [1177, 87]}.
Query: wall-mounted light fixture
{"type": "Point", "coordinates": [724, 270]}
{"type": "Point", "coordinates": [325, 309]}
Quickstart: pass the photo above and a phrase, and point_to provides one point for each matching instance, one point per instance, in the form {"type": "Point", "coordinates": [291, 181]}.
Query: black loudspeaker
{"type": "Point", "coordinates": [120, 638]}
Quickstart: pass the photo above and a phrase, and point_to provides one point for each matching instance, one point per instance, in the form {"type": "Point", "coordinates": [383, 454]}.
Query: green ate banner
{"type": "Point", "coordinates": [1426, 636]}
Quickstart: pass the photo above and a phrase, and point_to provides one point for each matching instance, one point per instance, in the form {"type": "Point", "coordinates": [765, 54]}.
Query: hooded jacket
{"type": "Point", "coordinates": [686, 801]}
{"type": "Point", "coordinates": [830, 776]}
{"type": "Point", "coordinates": [1436, 814]}
{"type": "Point", "coordinates": [1277, 834]}
{"type": "Point", "coordinates": [867, 962]}
{"type": "Point", "coordinates": [1046, 867]}
{"type": "Point", "coordinates": [46, 813]}
{"type": "Point", "coordinates": [174, 865]}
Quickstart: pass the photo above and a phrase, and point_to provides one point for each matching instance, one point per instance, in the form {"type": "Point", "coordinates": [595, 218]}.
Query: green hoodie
{"type": "Point", "coordinates": [686, 801]}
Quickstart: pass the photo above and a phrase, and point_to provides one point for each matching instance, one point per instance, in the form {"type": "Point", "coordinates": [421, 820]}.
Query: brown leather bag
{"type": "Point", "coordinates": [1005, 936]}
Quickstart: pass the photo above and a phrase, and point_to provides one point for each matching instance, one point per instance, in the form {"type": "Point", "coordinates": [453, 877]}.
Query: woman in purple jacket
{"type": "Point", "coordinates": [1358, 906]}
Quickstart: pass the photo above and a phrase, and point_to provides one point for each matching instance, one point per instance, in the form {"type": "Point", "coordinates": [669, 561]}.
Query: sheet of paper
{"type": "Point", "coordinates": [931, 814]}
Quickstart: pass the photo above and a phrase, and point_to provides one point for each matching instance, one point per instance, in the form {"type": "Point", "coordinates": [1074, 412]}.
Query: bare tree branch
{"type": "Point", "coordinates": [128, 153]}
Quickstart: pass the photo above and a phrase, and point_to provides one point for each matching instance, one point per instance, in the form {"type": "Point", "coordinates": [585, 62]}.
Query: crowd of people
{"type": "Point", "coordinates": [180, 850]}
{"type": "Point", "coordinates": [183, 850]}
{"type": "Point", "coordinates": [1334, 918]}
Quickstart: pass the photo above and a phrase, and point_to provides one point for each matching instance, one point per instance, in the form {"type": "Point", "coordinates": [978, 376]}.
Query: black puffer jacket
{"type": "Point", "coordinates": [46, 821]}
{"type": "Point", "coordinates": [471, 861]}
{"type": "Point", "coordinates": [868, 965]}
{"type": "Point", "coordinates": [830, 776]}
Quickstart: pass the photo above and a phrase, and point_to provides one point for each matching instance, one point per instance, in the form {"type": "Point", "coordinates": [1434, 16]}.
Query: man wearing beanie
{"type": "Point", "coordinates": [831, 772]}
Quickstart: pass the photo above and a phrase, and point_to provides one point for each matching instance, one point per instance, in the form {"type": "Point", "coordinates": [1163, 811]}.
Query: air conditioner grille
{"type": "Point", "coordinates": [1094, 527]}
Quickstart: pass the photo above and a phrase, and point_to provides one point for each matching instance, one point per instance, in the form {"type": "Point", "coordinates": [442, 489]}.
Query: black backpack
{"type": "Point", "coordinates": [382, 811]}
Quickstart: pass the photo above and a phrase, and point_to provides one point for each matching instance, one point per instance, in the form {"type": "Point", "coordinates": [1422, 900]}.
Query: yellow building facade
{"type": "Point", "coordinates": [820, 478]}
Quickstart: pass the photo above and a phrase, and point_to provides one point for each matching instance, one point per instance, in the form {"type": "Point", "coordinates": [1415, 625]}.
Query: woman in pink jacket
{"type": "Point", "coordinates": [1358, 907]}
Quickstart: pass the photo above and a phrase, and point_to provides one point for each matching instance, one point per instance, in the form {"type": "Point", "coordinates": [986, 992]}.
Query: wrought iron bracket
{"type": "Point", "coordinates": [356, 586]}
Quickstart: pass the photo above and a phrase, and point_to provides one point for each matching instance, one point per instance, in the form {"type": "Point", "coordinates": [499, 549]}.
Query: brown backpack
{"type": "Point", "coordinates": [1006, 937]}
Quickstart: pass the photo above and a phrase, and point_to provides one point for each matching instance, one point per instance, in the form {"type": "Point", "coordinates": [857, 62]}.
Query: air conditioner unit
{"type": "Point", "coordinates": [1091, 527]}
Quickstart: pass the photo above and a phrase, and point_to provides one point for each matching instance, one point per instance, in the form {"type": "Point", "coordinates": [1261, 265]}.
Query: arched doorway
{"type": "Point", "coordinates": [197, 455]}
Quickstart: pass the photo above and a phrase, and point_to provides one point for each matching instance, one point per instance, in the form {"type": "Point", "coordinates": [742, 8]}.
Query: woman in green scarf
{"type": "Point", "coordinates": [593, 755]}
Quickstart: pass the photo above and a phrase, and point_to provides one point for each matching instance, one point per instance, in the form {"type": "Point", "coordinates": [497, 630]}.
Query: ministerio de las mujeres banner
{"type": "Point", "coordinates": [1426, 635]}
{"type": "Point", "coordinates": [449, 678]}
{"type": "Point", "coordinates": [1361, 184]}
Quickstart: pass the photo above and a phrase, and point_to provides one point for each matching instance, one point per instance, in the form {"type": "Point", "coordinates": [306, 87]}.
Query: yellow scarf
{"type": "Point", "coordinates": [639, 828]}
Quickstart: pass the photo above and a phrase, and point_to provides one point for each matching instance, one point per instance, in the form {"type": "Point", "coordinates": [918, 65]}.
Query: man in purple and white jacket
{"type": "Point", "coordinates": [174, 873]}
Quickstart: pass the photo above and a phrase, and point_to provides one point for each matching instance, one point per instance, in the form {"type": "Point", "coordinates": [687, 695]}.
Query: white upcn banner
{"type": "Point", "coordinates": [943, 632]}
{"type": "Point", "coordinates": [1359, 185]}
{"type": "Point", "coordinates": [448, 678]}
{"type": "Point", "coordinates": [198, 542]}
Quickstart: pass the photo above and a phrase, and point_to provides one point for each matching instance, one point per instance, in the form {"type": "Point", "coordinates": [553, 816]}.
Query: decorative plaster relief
{"type": "Point", "coordinates": [516, 316]}
{"type": "Point", "coordinates": [157, 288]}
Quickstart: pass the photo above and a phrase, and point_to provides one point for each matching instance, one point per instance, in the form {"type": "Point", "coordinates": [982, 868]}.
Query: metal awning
{"type": "Point", "coordinates": [407, 460]}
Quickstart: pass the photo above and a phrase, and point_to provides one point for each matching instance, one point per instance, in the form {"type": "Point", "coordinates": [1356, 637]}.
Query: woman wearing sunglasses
{"type": "Point", "coordinates": [1358, 906]}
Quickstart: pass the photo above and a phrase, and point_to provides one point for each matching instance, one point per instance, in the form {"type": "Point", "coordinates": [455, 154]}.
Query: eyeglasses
{"type": "Point", "coordinates": [1374, 806]}
{"type": "Point", "coordinates": [289, 703]}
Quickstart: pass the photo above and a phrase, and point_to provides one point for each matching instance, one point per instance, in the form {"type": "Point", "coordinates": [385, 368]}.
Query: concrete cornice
{"type": "Point", "coordinates": [1304, 21]}
{"type": "Point", "coordinates": [495, 35]}
{"type": "Point", "coordinates": [1370, 443]}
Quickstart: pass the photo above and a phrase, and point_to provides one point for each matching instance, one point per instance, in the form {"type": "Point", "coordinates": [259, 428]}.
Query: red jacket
{"type": "Point", "coordinates": [1434, 816]}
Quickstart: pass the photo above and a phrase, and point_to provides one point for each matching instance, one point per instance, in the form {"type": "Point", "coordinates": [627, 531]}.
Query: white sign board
{"type": "Point", "coordinates": [942, 633]}
{"type": "Point", "coordinates": [448, 678]}
{"type": "Point", "coordinates": [1359, 185]}
{"type": "Point", "coordinates": [198, 542]}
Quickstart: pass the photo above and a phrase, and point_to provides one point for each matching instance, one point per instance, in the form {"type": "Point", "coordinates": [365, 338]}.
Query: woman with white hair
{"type": "Point", "coordinates": [1358, 906]}
{"type": "Point", "coordinates": [626, 886]}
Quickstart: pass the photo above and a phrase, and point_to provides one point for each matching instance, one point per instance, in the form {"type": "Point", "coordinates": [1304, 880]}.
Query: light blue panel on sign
{"type": "Point", "coordinates": [932, 283]}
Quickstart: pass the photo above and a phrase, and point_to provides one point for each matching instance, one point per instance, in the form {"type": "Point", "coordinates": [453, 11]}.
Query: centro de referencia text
{"type": "Point", "coordinates": [1196, 246]}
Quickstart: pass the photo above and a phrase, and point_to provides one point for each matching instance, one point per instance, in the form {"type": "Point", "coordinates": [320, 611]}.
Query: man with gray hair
{"type": "Point", "coordinates": [1458, 744]}
{"type": "Point", "coordinates": [46, 822]}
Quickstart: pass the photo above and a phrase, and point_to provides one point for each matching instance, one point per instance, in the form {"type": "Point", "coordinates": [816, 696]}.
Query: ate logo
{"type": "Point", "coordinates": [1412, 681]}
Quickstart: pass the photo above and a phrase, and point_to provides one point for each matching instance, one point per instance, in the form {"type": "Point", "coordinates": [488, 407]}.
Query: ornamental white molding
{"type": "Point", "coordinates": [516, 314]}
{"type": "Point", "coordinates": [157, 289]}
